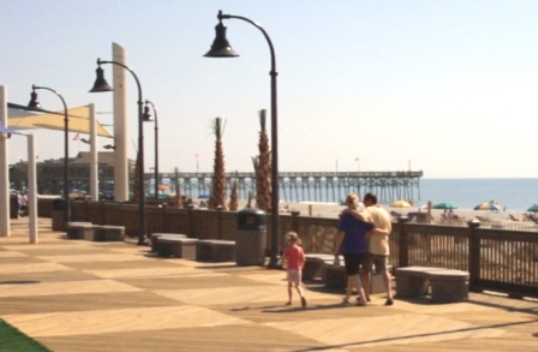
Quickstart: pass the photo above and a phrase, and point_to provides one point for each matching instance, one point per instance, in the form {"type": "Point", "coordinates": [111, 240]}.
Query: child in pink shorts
{"type": "Point", "coordinates": [294, 259]}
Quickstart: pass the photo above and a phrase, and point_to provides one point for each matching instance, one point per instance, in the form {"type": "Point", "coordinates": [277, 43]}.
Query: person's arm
{"type": "Point", "coordinates": [378, 231]}
{"type": "Point", "coordinates": [338, 244]}
{"type": "Point", "coordinates": [356, 213]}
{"type": "Point", "coordinates": [302, 258]}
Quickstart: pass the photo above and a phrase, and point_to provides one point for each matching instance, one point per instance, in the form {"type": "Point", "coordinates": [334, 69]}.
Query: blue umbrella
{"type": "Point", "coordinates": [487, 206]}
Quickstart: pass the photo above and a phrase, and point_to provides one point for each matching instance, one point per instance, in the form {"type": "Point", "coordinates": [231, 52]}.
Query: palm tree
{"type": "Point", "coordinates": [262, 165]}
{"type": "Point", "coordinates": [218, 184]}
{"type": "Point", "coordinates": [234, 204]}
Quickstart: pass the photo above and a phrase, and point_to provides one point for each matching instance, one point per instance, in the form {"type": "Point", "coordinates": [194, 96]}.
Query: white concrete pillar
{"type": "Point", "coordinates": [94, 162]}
{"type": "Point", "coordinates": [121, 169]}
{"type": "Point", "coordinates": [5, 222]}
{"type": "Point", "coordinates": [32, 194]}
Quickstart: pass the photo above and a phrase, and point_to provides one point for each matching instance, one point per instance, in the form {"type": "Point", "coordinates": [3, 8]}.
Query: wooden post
{"type": "Point", "coordinates": [474, 255]}
{"type": "Point", "coordinates": [295, 220]}
{"type": "Point", "coordinates": [403, 245]}
{"type": "Point", "coordinates": [191, 231]}
{"type": "Point", "coordinates": [219, 222]}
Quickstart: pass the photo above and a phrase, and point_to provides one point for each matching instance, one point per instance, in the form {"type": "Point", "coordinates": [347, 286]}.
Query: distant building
{"type": "Point", "coordinates": [50, 173]}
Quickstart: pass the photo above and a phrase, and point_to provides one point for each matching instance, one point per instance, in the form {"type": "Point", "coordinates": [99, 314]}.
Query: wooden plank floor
{"type": "Point", "coordinates": [75, 295]}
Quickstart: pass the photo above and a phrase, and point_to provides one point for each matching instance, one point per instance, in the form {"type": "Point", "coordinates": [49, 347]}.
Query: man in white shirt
{"type": "Point", "coordinates": [378, 248]}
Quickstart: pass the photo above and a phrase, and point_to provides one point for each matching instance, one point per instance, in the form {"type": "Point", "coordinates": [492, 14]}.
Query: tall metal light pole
{"type": "Point", "coordinates": [101, 85]}
{"type": "Point", "coordinates": [34, 105]}
{"type": "Point", "coordinates": [147, 117]}
{"type": "Point", "coordinates": [221, 48]}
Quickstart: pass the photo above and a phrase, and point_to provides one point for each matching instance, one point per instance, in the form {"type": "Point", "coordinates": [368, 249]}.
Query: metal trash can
{"type": "Point", "coordinates": [59, 221]}
{"type": "Point", "coordinates": [251, 237]}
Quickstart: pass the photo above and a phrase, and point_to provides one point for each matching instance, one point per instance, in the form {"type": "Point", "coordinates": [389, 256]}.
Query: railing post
{"type": "Point", "coordinates": [219, 222]}
{"type": "Point", "coordinates": [403, 244]}
{"type": "Point", "coordinates": [295, 220]}
{"type": "Point", "coordinates": [474, 255]}
{"type": "Point", "coordinates": [190, 216]}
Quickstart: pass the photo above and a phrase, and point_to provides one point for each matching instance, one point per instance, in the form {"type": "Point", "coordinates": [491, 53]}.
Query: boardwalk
{"type": "Point", "coordinates": [86, 296]}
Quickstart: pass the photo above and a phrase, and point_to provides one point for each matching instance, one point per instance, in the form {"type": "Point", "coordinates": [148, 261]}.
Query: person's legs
{"type": "Point", "coordinates": [290, 275]}
{"type": "Point", "coordinates": [300, 290]}
{"type": "Point", "coordinates": [289, 292]}
{"type": "Point", "coordinates": [386, 281]}
{"type": "Point", "coordinates": [362, 299]}
{"type": "Point", "coordinates": [351, 262]}
{"type": "Point", "coordinates": [381, 264]}
{"type": "Point", "coordinates": [366, 273]}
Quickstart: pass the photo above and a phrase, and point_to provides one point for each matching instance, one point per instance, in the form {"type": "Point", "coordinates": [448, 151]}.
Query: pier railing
{"type": "Point", "coordinates": [501, 260]}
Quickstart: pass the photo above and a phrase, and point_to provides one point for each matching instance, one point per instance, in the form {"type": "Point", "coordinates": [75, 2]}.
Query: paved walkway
{"type": "Point", "coordinates": [75, 295]}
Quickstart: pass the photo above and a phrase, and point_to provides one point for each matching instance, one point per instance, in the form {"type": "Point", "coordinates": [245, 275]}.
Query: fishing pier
{"type": "Point", "coordinates": [309, 186]}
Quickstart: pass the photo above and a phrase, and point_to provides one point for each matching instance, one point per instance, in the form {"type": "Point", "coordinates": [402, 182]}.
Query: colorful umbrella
{"type": "Point", "coordinates": [163, 187]}
{"type": "Point", "coordinates": [401, 204]}
{"type": "Point", "coordinates": [445, 205]}
{"type": "Point", "coordinates": [487, 206]}
{"type": "Point", "coordinates": [533, 208]}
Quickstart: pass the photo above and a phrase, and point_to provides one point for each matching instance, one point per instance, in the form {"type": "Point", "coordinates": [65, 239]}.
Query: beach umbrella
{"type": "Point", "coordinates": [400, 204]}
{"type": "Point", "coordinates": [533, 208]}
{"type": "Point", "coordinates": [163, 187]}
{"type": "Point", "coordinates": [487, 206]}
{"type": "Point", "coordinates": [445, 205]}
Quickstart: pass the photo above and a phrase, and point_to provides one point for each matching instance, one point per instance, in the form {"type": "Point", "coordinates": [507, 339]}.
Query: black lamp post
{"type": "Point", "coordinates": [34, 105]}
{"type": "Point", "coordinates": [147, 116]}
{"type": "Point", "coordinates": [101, 85]}
{"type": "Point", "coordinates": [221, 48]}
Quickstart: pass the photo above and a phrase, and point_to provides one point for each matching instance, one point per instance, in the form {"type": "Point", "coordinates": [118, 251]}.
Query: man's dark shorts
{"type": "Point", "coordinates": [380, 262]}
{"type": "Point", "coordinates": [353, 261]}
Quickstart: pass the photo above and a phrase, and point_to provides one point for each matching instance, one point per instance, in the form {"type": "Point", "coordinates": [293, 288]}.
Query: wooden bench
{"type": "Point", "coordinates": [176, 246]}
{"type": "Point", "coordinates": [446, 285]}
{"type": "Point", "coordinates": [105, 233]}
{"type": "Point", "coordinates": [77, 230]}
{"type": "Point", "coordinates": [314, 266]}
{"type": "Point", "coordinates": [215, 251]}
{"type": "Point", "coordinates": [155, 236]}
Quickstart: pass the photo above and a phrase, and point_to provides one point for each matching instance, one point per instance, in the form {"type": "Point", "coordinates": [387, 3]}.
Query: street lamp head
{"type": "Point", "coordinates": [220, 46]}
{"type": "Point", "coordinates": [100, 85]}
{"type": "Point", "coordinates": [146, 116]}
{"type": "Point", "coordinates": [34, 103]}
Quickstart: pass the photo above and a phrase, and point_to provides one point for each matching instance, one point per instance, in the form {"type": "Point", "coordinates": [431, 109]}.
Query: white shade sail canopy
{"type": "Point", "coordinates": [79, 120]}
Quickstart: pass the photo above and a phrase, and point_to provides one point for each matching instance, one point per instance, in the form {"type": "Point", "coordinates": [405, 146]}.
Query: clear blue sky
{"type": "Point", "coordinates": [448, 87]}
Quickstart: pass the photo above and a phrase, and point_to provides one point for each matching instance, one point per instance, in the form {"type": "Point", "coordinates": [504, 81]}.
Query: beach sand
{"type": "Point", "coordinates": [332, 210]}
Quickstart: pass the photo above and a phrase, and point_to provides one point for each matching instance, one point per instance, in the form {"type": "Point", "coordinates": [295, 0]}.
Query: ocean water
{"type": "Point", "coordinates": [516, 194]}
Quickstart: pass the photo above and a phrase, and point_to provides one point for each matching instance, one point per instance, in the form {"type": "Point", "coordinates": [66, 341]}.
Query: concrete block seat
{"type": "Point", "coordinates": [106, 233]}
{"type": "Point", "coordinates": [336, 277]}
{"type": "Point", "coordinates": [77, 230]}
{"type": "Point", "coordinates": [446, 285]}
{"type": "Point", "coordinates": [314, 266]}
{"type": "Point", "coordinates": [215, 251]}
{"type": "Point", "coordinates": [155, 236]}
{"type": "Point", "coordinates": [177, 246]}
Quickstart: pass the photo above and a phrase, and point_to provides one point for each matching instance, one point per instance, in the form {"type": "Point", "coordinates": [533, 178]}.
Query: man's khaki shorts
{"type": "Point", "coordinates": [381, 262]}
